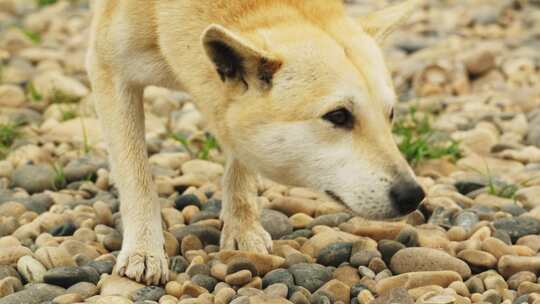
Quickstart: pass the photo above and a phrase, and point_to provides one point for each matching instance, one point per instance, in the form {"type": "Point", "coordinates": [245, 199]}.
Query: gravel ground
{"type": "Point", "coordinates": [468, 75]}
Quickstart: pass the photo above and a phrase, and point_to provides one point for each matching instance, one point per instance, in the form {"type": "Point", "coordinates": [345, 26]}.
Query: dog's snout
{"type": "Point", "coordinates": [406, 196]}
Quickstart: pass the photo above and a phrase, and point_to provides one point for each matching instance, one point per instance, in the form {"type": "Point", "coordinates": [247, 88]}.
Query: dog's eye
{"type": "Point", "coordinates": [392, 114]}
{"type": "Point", "coordinates": [341, 118]}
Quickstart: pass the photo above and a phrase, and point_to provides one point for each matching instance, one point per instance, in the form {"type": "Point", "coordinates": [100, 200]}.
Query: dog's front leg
{"type": "Point", "coordinates": [242, 229]}
{"type": "Point", "coordinates": [121, 114]}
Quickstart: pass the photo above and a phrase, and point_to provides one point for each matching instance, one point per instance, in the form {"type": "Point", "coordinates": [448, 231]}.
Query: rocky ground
{"type": "Point", "coordinates": [468, 74]}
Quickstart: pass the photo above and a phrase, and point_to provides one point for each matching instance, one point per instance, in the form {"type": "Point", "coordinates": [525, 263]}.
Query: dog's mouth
{"type": "Point", "coordinates": [386, 218]}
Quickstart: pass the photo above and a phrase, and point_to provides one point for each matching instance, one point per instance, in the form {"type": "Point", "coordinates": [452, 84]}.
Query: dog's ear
{"type": "Point", "coordinates": [236, 60]}
{"type": "Point", "coordinates": [382, 23]}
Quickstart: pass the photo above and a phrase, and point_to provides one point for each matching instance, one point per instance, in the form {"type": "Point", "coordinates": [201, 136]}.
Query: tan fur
{"type": "Point", "coordinates": [300, 60]}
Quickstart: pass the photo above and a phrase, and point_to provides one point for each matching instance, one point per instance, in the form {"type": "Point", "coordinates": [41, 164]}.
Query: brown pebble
{"type": "Point", "coordinates": [427, 259]}
{"type": "Point", "coordinates": [347, 274]}
{"type": "Point", "coordinates": [477, 258]}
{"type": "Point", "coordinates": [224, 295]}
{"type": "Point", "coordinates": [497, 247]}
{"type": "Point", "coordinates": [239, 278]}
{"type": "Point", "coordinates": [68, 298]}
{"type": "Point", "coordinates": [523, 276]}
{"type": "Point", "coordinates": [337, 288]}
{"type": "Point", "coordinates": [417, 279]}
{"type": "Point", "coordinates": [508, 264]}
{"type": "Point", "coordinates": [174, 288]}
{"type": "Point", "coordinates": [190, 242]}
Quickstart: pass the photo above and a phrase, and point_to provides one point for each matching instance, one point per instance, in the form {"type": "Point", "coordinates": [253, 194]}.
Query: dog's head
{"type": "Point", "coordinates": [311, 104]}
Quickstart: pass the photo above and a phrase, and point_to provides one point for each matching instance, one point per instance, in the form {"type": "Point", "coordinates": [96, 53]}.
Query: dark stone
{"type": "Point", "coordinates": [408, 236]}
{"type": "Point", "coordinates": [513, 209]}
{"type": "Point", "coordinates": [67, 276]}
{"type": "Point", "coordinates": [517, 227]}
{"type": "Point", "coordinates": [203, 215]}
{"type": "Point", "coordinates": [178, 264]}
{"type": "Point", "coordinates": [321, 297]}
{"type": "Point", "coordinates": [205, 281]}
{"type": "Point", "coordinates": [310, 276]}
{"type": "Point", "coordinates": [388, 248]}
{"type": "Point", "coordinates": [279, 275]}
{"type": "Point", "coordinates": [196, 269]}
{"type": "Point", "coordinates": [276, 223]}
{"type": "Point", "coordinates": [34, 294]}
{"type": "Point", "coordinates": [102, 266]}
{"type": "Point", "coordinates": [82, 169]}
{"type": "Point", "coordinates": [469, 185]}
{"type": "Point", "coordinates": [357, 288]}
{"type": "Point", "coordinates": [307, 233]}
{"type": "Point", "coordinates": [207, 234]}
{"type": "Point", "coordinates": [239, 263]}
{"type": "Point", "coordinates": [66, 229]}
{"type": "Point", "coordinates": [148, 293]}
{"type": "Point", "coordinates": [185, 200]}
{"type": "Point", "coordinates": [330, 220]}
{"type": "Point", "coordinates": [335, 254]}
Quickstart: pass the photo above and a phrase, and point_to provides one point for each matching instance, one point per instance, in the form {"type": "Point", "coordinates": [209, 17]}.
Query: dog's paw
{"type": "Point", "coordinates": [147, 267]}
{"type": "Point", "coordinates": [246, 237]}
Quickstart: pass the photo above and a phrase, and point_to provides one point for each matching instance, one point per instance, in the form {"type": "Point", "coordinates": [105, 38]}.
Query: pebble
{"type": "Point", "coordinates": [148, 293]}
{"type": "Point", "coordinates": [427, 259]}
{"type": "Point", "coordinates": [417, 279]}
{"type": "Point", "coordinates": [224, 295]}
{"type": "Point", "coordinates": [477, 258]}
{"type": "Point", "coordinates": [84, 289]}
{"type": "Point", "coordinates": [388, 248]}
{"type": "Point", "coordinates": [335, 254]}
{"type": "Point", "coordinates": [34, 178]}
{"type": "Point", "coordinates": [31, 269]}
{"type": "Point", "coordinates": [205, 281]}
{"type": "Point", "coordinates": [68, 298]}
{"type": "Point", "coordinates": [276, 223]}
{"type": "Point", "coordinates": [310, 276]}
{"type": "Point", "coordinates": [509, 265]}
{"type": "Point", "coordinates": [239, 278]}
{"type": "Point", "coordinates": [518, 227]}
{"type": "Point", "coordinates": [278, 290]}
{"type": "Point", "coordinates": [34, 294]}
{"type": "Point", "coordinates": [278, 276]}
{"type": "Point", "coordinates": [68, 276]}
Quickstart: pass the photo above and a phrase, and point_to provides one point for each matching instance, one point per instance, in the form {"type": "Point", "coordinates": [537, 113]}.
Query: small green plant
{"type": "Point", "coordinates": [8, 134]}
{"type": "Point", "coordinates": [63, 98]}
{"type": "Point", "coordinates": [210, 143]}
{"type": "Point", "coordinates": [68, 114]}
{"type": "Point", "coordinates": [182, 139]}
{"type": "Point", "coordinates": [59, 177]}
{"type": "Point", "coordinates": [418, 141]}
{"type": "Point", "coordinates": [500, 189]}
{"type": "Point", "coordinates": [35, 96]}
{"type": "Point", "coordinates": [33, 36]}
{"type": "Point", "coordinates": [42, 3]}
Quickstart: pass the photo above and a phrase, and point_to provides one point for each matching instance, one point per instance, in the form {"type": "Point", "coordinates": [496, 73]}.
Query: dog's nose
{"type": "Point", "coordinates": [406, 196]}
